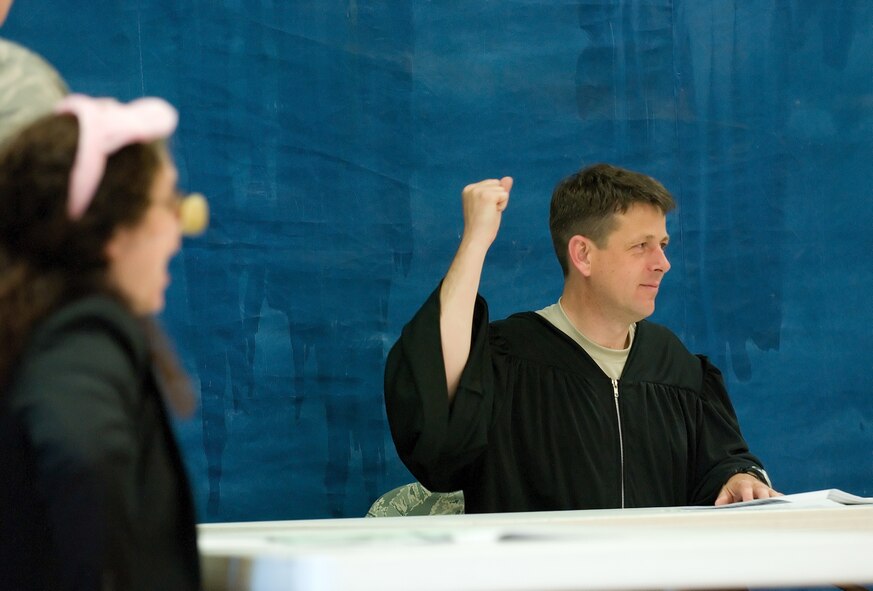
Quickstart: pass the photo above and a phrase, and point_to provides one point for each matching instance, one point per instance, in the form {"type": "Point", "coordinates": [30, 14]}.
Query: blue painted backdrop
{"type": "Point", "coordinates": [333, 139]}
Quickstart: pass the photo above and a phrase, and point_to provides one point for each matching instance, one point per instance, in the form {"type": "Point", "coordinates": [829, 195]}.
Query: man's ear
{"type": "Point", "coordinates": [579, 251]}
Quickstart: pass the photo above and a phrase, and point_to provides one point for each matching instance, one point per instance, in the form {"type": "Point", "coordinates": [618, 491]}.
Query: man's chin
{"type": "Point", "coordinates": [645, 312]}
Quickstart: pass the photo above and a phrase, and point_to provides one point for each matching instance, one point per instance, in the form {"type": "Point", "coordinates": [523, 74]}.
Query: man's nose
{"type": "Point", "coordinates": [661, 262]}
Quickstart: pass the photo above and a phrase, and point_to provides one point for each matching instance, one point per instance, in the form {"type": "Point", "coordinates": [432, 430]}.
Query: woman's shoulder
{"type": "Point", "coordinates": [95, 321]}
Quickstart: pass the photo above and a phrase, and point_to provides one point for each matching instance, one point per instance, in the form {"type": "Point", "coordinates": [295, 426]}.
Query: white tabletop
{"type": "Point", "coordinates": [675, 548]}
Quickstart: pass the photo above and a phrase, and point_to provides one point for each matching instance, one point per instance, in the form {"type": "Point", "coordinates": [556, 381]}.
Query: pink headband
{"type": "Point", "coordinates": [106, 126]}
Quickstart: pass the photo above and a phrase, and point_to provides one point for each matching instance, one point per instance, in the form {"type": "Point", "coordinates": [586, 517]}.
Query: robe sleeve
{"type": "Point", "coordinates": [439, 442]}
{"type": "Point", "coordinates": [721, 449]}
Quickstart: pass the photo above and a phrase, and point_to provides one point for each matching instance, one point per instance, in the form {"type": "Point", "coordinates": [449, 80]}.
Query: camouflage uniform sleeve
{"type": "Point", "coordinates": [415, 499]}
{"type": "Point", "coordinates": [29, 88]}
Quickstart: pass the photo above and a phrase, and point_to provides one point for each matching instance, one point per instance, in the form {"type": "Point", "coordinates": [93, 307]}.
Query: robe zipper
{"type": "Point", "coordinates": [620, 440]}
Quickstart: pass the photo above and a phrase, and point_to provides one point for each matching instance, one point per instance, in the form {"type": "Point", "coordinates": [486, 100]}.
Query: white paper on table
{"type": "Point", "coordinates": [831, 497]}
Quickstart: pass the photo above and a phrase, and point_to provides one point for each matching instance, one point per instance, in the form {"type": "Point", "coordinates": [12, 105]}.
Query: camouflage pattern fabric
{"type": "Point", "coordinates": [414, 499]}
{"type": "Point", "coordinates": [29, 88]}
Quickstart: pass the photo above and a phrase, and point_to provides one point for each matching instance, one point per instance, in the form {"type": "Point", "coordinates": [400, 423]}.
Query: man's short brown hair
{"type": "Point", "coordinates": [585, 204]}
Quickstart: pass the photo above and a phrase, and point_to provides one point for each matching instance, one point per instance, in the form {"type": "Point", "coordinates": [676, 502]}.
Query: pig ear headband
{"type": "Point", "coordinates": [106, 126]}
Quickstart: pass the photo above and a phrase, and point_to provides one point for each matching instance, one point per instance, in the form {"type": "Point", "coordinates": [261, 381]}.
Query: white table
{"type": "Point", "coordinates": [675, 548]}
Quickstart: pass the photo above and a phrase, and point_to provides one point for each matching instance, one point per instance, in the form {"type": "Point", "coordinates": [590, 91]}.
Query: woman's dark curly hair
{"type": "Point", "coordinates": [46, 258]}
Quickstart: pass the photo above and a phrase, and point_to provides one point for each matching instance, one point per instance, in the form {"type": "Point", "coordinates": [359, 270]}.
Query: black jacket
{"type": "Point", "coordinates": [94, 493]}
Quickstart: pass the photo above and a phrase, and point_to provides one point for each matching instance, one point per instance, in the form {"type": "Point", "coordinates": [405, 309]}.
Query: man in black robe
{"type": "Point", "coordinates": [581, 405]}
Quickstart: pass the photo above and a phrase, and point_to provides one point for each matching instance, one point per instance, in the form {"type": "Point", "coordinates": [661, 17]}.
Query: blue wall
{"type": "Point", "coordinates": [333, 139]}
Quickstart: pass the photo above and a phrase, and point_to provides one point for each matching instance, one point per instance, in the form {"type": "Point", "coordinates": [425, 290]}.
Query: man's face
{"type": "Point", "coordinates": [627, 271]}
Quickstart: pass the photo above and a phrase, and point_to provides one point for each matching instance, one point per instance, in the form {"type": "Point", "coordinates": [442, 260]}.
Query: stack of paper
{"type": "Point", "coordinates": [831, 497]}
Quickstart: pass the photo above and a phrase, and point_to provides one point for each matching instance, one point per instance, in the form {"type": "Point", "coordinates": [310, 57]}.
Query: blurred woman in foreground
{"type": "Point", "coordinates": [94, 492]}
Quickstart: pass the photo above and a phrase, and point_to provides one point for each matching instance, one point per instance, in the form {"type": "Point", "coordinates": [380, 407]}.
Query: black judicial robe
{"type": "Point", "coordinates": [537, 425]}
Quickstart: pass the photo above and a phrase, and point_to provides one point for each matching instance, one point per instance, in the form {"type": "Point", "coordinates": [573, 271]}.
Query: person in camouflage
{"type": "Point", "coordinates": [29, 85]}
